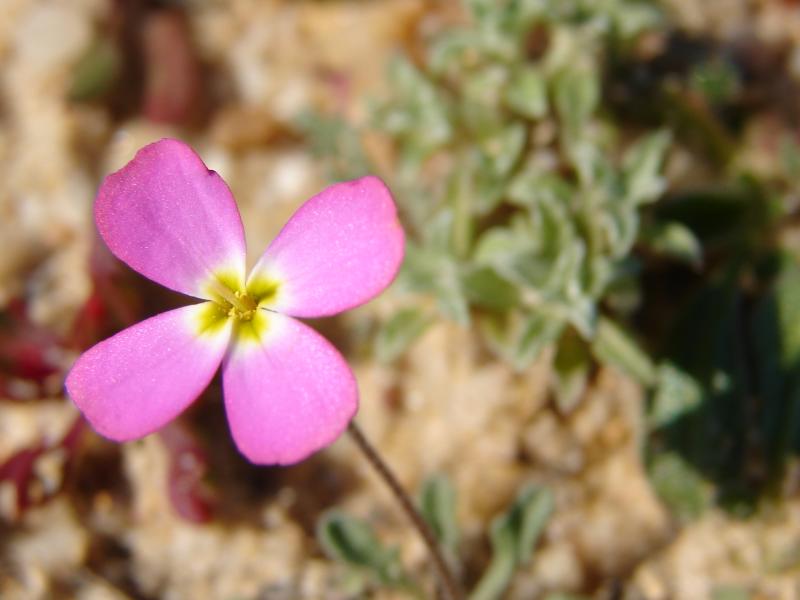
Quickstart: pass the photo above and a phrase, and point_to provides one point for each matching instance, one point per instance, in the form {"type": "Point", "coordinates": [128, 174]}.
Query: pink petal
{"type": "Point", "coordinates": [171, 219]}
{"type": "Point", "coordinates": [141, 378]}
{"type": "Point", "coordinates": [288, 394]}
{"type": "Point", "coordinates": [339, 250]}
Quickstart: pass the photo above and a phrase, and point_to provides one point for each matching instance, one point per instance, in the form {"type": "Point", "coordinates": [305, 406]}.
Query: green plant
{"type": "Point", "coordinates": [513, 534]}
{"type": "Point", "coordinates": [352, 542]}
{"type": "Point", "coordinates": [540, 214]}
{"type": "Point", "coordinates": [522, 199]}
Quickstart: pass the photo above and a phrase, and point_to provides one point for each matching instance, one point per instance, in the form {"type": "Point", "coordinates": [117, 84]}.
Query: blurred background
{"type": "Point", "coordinates": [587, 372]}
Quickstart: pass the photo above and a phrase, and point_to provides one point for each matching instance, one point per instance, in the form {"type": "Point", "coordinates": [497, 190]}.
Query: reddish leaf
{"type": "Point", "coordinates": [20, 468]}
{"type": "Point", "coordinates": [172, 71]}
{"type": "Point", "coordinates": [188, 492]}
{"type": "Point", "coordinates": [29, 353]}
{"type": "Point", "coordinates": [113, 304]}
{"type": "Point", "coordinates": [19, 471]}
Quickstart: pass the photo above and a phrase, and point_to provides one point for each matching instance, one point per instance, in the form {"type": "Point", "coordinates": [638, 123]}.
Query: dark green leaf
{"type": "Point", "coordinates": [716, 80]}
{"type": "Point", "coordinates": [707, 343]}
{"type": "Point", "coordinates": [725, 216]}
{"type": "Point", "coordinates": [776, 332]}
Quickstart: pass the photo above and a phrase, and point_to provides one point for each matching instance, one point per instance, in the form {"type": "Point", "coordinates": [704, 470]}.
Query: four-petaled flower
{"type": "Point", "coordinates": [288, 392]}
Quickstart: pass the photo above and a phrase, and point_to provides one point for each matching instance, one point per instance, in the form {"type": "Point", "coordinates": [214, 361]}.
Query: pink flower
{"type": "Point", "coordinates": [288, 391]}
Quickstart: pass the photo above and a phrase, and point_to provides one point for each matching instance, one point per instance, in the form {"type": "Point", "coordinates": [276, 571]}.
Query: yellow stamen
{"type": "Point", "coordinates": [241, 305]}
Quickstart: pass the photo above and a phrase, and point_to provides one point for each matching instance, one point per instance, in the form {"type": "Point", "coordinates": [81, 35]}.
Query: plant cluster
{"type": "Point", "coordinates": [513, 535]}
{"type": "Point", "coordinates": [529, 151]}
{"type": "Point", "coordinates": [523, 200]}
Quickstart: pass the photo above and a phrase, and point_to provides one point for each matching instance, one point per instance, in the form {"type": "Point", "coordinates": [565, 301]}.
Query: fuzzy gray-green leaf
{"type": "Point", "coordinates": [438, 506]}
{"type": "Point", "coordinates": [571, 366]}
{"type": "Point", "coordinates": [576, 94]}
{"type": "Point", "coordinates": [535, 505]}
{"type": "Point", "coordinates": [675, 240]}
{"type": "Point", "coordinates": [642, 168]}
{"type": "Point", "coordinates": [399, 332]}
{"type": "Point", "coordinates": [503, 148]}
{"type": "Point", "coordinates": [526, 93]}
{"type": "Point", "coordinates": [436, 273]}
{"type": "Point", "coordinates": [614, 346]}
{"type": "Point", "coordinates": [677, 393]}
{"type": "Point", "coordinates": [514, 536]}
{"type": "Point", "coordinates": [353, 542]}
{"type": "Point", "coordinates": [538, 331]}
{"type": "Point", "coordinates": [485, 288]}
{"type": "Point", "coordinates": [679, 485]}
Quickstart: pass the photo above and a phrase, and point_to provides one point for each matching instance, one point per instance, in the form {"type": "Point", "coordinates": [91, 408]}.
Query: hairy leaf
{"type": "Point", "coordinates": [514, 536]}
{"type": "Point", "coordinates": [438, 506]}
{"type": "Point", "coordinates": [353, 542]}
{"type": "Point", "coordinates": [399, 332]}
{"type": "Point", "coordinates": [614, 346]}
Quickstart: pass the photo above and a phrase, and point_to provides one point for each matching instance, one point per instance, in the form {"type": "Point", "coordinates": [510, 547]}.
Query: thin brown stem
{"type": "Point", "coordinates": [448, 581]}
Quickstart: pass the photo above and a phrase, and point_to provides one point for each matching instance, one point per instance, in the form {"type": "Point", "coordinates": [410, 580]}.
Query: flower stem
{"type": "Point", "coordinates": [448, 581]}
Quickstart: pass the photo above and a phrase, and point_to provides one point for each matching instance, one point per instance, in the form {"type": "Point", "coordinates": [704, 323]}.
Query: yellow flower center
{"type": "Point", "coordinates": [231, 302]}
{"type": "Point", "coordinates": [236, 303]}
